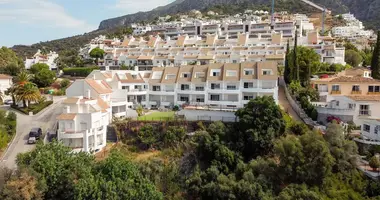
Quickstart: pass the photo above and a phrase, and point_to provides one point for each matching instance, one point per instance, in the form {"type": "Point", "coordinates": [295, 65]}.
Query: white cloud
{"type": "Point", "coordinates": [40, 12]}
{"type": "Point", "coordinates": [133, 6]}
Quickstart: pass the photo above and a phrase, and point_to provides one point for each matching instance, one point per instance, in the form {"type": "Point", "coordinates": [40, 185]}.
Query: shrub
{"type": "Point", "coordinates": [374, 163]}
{"type": "Point", "coordinates": [60, 92]}
{"type": "Point", "coordinates": [35, 108]}
{"type": "Point", "coordinates": [79, 71]}
{"type": "Point", "coordinates": [294, 87]}
{"type": "Point", "coordinates": [64, 83]}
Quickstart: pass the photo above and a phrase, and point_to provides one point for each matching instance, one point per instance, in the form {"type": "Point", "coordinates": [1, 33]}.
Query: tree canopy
{"type": "Point", "coordinates": [308, 62]}
{"type": "Point", "coordinates": [66, 175]}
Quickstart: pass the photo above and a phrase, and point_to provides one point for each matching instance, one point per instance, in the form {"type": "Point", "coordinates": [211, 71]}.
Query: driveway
{"type": "Point", "coordinates": [45, 120]}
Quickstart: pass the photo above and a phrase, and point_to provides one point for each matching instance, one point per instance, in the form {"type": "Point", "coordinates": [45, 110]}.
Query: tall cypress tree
{"type": "Point", "coordinates": [287, 71]}
{"type": "Point", "coordinates": [296, 69]}
{"type": "Point", "coordinates": [375, 64]}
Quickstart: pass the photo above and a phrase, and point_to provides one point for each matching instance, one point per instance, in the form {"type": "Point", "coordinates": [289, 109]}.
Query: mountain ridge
{"type": "Point", "coordinates": [365, 11]}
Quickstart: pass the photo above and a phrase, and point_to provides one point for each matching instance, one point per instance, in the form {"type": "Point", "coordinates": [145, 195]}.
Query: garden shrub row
{"type": "Point", "coordinates": [79, 71]}
{"type": "Point", "coordinates": [35, 108]}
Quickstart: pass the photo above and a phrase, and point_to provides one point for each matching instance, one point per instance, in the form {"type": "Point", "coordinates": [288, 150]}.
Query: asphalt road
{"type": "Point", "coordinates": [45, 120]}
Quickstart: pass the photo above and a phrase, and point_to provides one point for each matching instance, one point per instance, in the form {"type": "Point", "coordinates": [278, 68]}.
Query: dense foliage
{"type": "Point", "coordinates": [375, 64]}
{"type": "Point", "coordinates": [7, 127]}
{"type": "Point", "coordinates": [9, 62]}
{"type": "Point", "coordinates": [79, 71]}
{"type": "Point", "coordinates": [42, 75]}
{"type": "Point", "coordinates": [265, 155]}
{"type": "Point", "coordinates": [60, 174]}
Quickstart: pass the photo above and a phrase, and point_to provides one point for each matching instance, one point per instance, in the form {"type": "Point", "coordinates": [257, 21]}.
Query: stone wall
{"type": "Point", "coordinates": [297, 106]}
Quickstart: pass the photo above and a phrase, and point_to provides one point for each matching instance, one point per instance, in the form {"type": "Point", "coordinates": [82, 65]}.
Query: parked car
{"type": "Point", "coordinates": [35, 132]}
{"type": "Point", "coordinates": [8, 102]}
{"type": "Point", "coordinates": [32, 140]}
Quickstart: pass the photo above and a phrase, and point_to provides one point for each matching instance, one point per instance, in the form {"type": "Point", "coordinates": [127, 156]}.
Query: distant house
{"type": "Point", "coordinates": [42, 58]}
{"type": "Point", "coordinates": [5, 82]}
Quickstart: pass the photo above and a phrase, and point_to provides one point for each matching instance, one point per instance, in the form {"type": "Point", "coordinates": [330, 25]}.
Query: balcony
{"type": "Point", "coordinates": [373, 93]}
{"type": "Point", "coordinates": [356, 92]}
{"type": "Point", "coordinates": [336, 92]}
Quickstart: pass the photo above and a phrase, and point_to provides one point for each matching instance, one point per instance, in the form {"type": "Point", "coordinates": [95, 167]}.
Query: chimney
{"type": "Point", "coordinates": [88, 96]}
{"type": "Point", "coordinates": [93, 76]}
{"type": "Point", "coordinates": [67, 109]}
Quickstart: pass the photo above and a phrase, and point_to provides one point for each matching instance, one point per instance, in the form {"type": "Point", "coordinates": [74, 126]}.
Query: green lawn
{"type": "Point", "coordinates": [158, 116]}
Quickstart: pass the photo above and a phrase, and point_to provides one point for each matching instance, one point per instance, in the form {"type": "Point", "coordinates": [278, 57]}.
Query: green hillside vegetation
{"type": "Point", "coordinates": [263, 156]}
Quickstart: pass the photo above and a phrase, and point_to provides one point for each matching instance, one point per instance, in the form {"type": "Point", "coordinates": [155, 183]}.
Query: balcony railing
{"type": "Point", "coordinates": [356, 92]}
{"type": "Point", "coordinates": [199, 89]}
{"type": "Point", "coordinates": [336, 92]}
{"type": "Point", "coordinates": [373, 93]}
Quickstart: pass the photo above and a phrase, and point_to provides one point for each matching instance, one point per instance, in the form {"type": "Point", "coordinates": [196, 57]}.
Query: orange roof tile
{"type": "Point", "coordinates": [4, 76]}
{"type": "Point", "coordinates": [67, 116]}
{"type": "Point", "coordinates": [99, 88]}
{"type": "Point", "coordinates": [72, 100]}
{"type": "Point", "coordinates": [357, 79]}
{"type": "Point", "coordinates": [365, 98]}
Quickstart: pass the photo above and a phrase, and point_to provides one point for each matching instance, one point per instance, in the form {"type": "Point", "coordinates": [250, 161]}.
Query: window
{"type": "Point", "coordinates": [248, 85]}
{"type": "Point", "coordinates": [125, 87]}
{"type": "Point", "coordinates": [356, 88]}
{"type": "Point", "coordinates": [351, 106]}
{"type": "Point", "coordinates": [267, 72]}
{"type": "Point", "coordinates": [335, 88]}
{"type": "Point", "coordinates": [337, 103]}
{"type": "Point", "coordinates": [215, 86]}
{"type": "Point", "coordinates": [170, 76]}
{"type": "Point", "coordinates": [373, 88]}
{"type": "Point", "coordinates": [214, 97]}
{"type": "Point", "coordinates": [215, 72]}
{"type": "Point", "coordinates": [366, 128]}
{"type": "Point", "coordinates": [231, 87]}
{"type": "Point", "coordinates": [377, 129]}
{"type": "Point", "coordinates": [231, 73]}
{"type": "Point", "coordinates": [199, 75]}
{"type": "Point", "coordinates": [185, 75]}
{"type": "Point", "coordinates": [248, 72]}
{"type": "Point", "coordinates": [248, 97]}
{"type": "Point", "coordinates": [185, 87]}
{"type": "Point", "coordinates": [364, 110]}
{"type": "Point", "coordinates": [134, 76]}
{"type": "Point", "coordinates": [199, 88]}
{"type": "Point", "coordinates": [156, 88]}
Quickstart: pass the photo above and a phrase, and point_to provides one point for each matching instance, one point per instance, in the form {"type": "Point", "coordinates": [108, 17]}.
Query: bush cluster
{"type": "Point", "coordinates": [79, 71]}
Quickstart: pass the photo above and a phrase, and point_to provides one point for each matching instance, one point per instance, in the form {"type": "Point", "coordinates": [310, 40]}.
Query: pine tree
{"type": "Point", "coordinates": [287, 71]}
{"type": "Point", "coordinates": [295, 63]}
{"type": "Point", "coordinates": [375, 64]}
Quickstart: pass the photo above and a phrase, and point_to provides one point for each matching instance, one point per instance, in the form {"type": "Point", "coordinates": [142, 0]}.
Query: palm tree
{"type": "Point", "coordinates": [27, 93]}
{"type": "Point", "coordinates": [12, 91]}
{"type": "Point", "coordinates": [1, 97]}
{"type": "Point", "coordinates": [23, 77]}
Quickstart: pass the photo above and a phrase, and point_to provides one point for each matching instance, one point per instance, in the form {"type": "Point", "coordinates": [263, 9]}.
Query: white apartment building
{"type": "Point", "coordinates": [220, 86]}
{"type": "Point", "coordinates": [48, 59]}
{"type": "Point", "coordinates": [352, 30]}
{"type": "Point", "coordinates": [352, 96]}
{"type": "Point", "coordinates": [141, 30]}
{"type": "Point", "coordinates": [5, 83]}
{"type": "Point", "coordinates": [83, 124]}
{"type": "Point", "coordinates": [190, 50]}
{"type": "Point", "coordinates": [370, 132]}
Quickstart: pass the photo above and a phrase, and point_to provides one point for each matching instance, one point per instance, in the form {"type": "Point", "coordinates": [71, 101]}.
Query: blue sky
{"type": "Point", "coordinates": [31, 21]}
